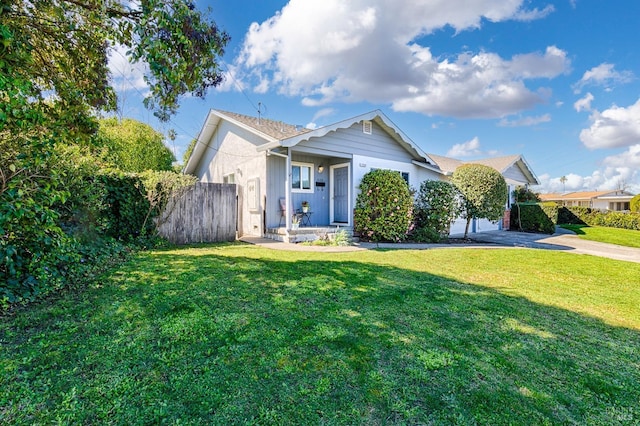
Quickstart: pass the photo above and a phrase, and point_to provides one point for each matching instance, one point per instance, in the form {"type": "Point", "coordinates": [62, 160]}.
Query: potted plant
{"type": "Point", "coordinates": [305, 206]}
{"type": "Point", "coordinates": [295, 221]}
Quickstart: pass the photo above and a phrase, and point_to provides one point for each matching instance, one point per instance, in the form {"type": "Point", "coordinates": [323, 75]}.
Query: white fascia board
{"type": "Point", "coordinates": [432, 168]}
{"type": "Point", "coordinates": [204, 136]}
{"type": "Point", "coordinates": [530, 170]}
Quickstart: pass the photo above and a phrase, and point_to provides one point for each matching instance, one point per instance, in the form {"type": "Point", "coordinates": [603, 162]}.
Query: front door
{"type": "Point", "coordinates": [340, 194]}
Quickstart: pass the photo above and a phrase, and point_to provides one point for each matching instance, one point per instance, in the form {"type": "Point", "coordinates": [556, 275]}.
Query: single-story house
{"type": "Point", "coordinates": [515, 170]}
{"type": "Point", "coordinates": [278, 166]}
{"type": "Point", "coordinates": [617, 200]}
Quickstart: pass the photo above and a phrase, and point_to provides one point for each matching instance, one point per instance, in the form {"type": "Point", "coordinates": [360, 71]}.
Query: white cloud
{"type": "Point", "coordinates": [368, 51]}
{"type": "Point", "coordinates": [603, 75]}
{"type": "Point", "coordinates": [532, 15]}
{"type": "Point", "coordinates": [467, 149]}
{"type": "Point", "coordinates": [525, 121]}
{"type": "Point", "coordinates": [584, 104]}
{"type": "Point", "coordinates": [599, 180]}
{"type": "Point", "coordinates": [614, 127]}
{"type": "Point", "coordinates": [324, 112]}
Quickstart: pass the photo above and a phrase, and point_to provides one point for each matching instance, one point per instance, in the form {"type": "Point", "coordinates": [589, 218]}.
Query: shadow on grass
{"type": "Point", "coordinates": [218, 337]}
{"type": "Point", "coordinates": [575, 228]}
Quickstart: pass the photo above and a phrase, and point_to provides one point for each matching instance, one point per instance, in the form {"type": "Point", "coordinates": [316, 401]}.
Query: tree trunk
{"type": "Point", "coordinates": [466, 228]}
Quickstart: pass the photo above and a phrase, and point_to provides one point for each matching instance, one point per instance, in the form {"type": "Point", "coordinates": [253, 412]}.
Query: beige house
{"type": "Point", "coordinates": [617, 200]}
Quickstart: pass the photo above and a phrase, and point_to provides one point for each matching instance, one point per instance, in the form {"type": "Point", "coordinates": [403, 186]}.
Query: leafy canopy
{"type": "Point", "coordinates": [133, 146]}
{"type": "Point", "coordinates": [484, 191]}
{"type": "Point", "coordinates": [69, 41]}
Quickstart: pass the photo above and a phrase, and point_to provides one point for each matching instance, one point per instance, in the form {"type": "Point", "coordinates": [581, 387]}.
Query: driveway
{"type": "Point", "coordinates": [563, 240]}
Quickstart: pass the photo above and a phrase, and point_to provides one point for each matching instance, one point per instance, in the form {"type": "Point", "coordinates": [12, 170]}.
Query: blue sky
{"type": "Point", "coordinates": [556, 81]}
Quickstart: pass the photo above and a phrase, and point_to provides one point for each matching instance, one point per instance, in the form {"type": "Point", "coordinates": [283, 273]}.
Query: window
{"type": "Point", "coordinates": [301, 177]}
{"type": "Point", "coordinates": [405, 176]}
{"type": "Point", "coordinates": [229, 178]}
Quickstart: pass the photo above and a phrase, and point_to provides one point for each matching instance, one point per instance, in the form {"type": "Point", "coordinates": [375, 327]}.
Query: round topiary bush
{"type": "Point", "coordinates": [437, 205]}
{"type": "Point", "coordinates": [384, 207]}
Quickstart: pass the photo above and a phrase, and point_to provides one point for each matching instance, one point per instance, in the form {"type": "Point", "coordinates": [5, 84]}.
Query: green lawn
{"type": "Point", "coordinates": [237, 334]}
{"type": "Point", "coordinates": [621, 237]}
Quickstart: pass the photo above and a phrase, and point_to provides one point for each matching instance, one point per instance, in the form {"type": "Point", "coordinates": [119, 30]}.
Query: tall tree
{"type": "Point", "coordinates": [484, 191]}
{"type": "Point", "coordinates": [133, 146]}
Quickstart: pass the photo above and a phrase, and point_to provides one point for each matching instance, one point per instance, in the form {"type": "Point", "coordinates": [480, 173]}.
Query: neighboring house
{"type": "Point", "coordinates": [276, 164]}
{"type": "Point", "coordinates": [617, 200]}
{"type": "Point", "coordinates": [514, 169]}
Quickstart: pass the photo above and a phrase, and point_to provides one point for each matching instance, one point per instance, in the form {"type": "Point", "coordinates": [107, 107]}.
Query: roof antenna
{"type": "Point", "coordinates": [260, 105]}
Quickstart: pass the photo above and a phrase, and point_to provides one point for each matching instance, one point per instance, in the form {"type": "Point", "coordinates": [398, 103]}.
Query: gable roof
{"type": "Point", "coordinates": [279, 134]}
{"type": "Point", "coordinates": [501, 164]}
{"type": "Point", "coordinates": [375, 116]}
{"type": "Point", "coordinates": [586, 195]}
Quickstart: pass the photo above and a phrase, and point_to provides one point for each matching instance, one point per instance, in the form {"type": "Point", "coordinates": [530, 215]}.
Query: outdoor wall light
{"type": "Point", "coordinates": [320, 168]}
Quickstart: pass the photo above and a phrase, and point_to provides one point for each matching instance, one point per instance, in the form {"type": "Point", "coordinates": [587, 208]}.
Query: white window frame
{"type": "Point", "coordinates": [230, 178]}
{"type": "Point", "coordinates": [311, 167]}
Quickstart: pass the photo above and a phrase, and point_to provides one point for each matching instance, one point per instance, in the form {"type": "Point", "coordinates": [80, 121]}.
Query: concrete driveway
{"type": "Point", "coordinates": [562, 240]}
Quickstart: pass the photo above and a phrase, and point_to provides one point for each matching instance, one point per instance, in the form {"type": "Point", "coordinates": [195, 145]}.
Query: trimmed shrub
{"type": "Point", "coordinates": [437, 205]}
{"type": "Point", "coordinates": [484, 190]}
{"type": "Point", "coordinates": [383, 209]}
{"type": "Point", "coordinates": [593, 217]}
{"type": "Point", "coordinates": [534, 217]}
{"type": "Point", "coordinates": [634, 204]}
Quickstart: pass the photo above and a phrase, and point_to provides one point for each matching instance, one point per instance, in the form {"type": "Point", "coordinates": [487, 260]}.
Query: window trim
{"type": "Point", "coordinates": [311, 167]}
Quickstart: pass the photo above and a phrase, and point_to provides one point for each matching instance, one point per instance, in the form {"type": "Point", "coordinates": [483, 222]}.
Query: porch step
{"type": "Point", "coordinates": [305, 234]}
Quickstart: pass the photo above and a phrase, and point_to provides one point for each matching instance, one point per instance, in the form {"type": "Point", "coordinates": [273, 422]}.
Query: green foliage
{"type": "Point", "coordinates": [534, 217]}
{"type": "Point", "coordinates": [53, 78]}
{"type": "Point", "coordinates": [189, 150]}
{"type": "Point", "coordinates": [132, 146]}
{"type": "Point", "coordinates": [383, 207]}
{"type": "Point", "coordinates": [594, 217]}
{"type": "Point", "coordinates": [484, 191]}
{"type": "Point", "coordinates": [523, 194]}
{"type": "Point", "coordinates": [74, 38]}
{"type": "Point", "coordinates": [438, 204]}
{"type": "Point", "coordinates": [634, 204]}
{"type": "Point", "coordinates": [126, 207]}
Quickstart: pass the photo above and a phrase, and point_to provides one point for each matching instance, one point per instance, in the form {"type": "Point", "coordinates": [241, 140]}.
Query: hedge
{"type": "Point", "coordinates": [534, 217]}
{"type": "Point", "coordinates": [594, 217]}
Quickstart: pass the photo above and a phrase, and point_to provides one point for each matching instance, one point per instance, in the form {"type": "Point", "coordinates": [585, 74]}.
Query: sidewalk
{"type": "Point", "coordinates": [562, 240]}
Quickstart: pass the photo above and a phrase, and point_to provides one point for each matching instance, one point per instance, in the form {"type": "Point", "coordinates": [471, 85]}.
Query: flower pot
{"type": "Point", "coordinates": [305, 209]}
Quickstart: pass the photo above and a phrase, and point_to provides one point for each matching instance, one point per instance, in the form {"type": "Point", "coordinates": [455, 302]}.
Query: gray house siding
{"type": "Point", "coordinates": [514, 173]}
{"type": "Point", "coordinates": [354, 141]}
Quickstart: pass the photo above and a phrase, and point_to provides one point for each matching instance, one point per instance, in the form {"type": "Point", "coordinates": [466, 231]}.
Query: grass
{"type": "Point", "coordinates": [621, 237]}
{"type": "Point", "coordinates": [237, 334]}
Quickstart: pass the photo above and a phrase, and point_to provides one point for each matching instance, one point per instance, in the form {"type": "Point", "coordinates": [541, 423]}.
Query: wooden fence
{"type": "Point", "coordinates": [205, 213]}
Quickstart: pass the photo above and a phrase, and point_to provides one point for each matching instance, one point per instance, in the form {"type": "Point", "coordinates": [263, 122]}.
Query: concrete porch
{"type": "Point", "coordinates": [307, 233]}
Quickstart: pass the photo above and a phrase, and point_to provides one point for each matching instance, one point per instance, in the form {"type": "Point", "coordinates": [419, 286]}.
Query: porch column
{"type": "Point", "coordinates": [287, 191]}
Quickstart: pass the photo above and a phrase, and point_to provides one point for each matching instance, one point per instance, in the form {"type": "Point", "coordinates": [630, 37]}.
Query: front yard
{"type": "Point", "coordinates": [237, 334]}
